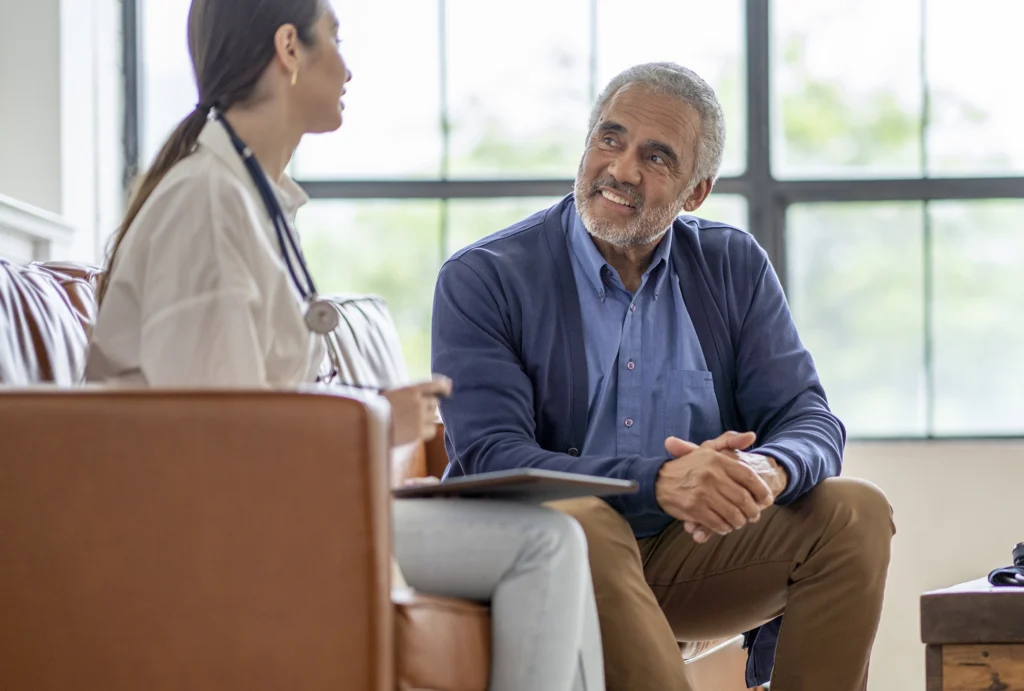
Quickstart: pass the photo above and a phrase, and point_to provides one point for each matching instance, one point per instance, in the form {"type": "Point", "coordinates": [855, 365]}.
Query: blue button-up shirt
{"type": "Point", "coordinates": [647, 378]}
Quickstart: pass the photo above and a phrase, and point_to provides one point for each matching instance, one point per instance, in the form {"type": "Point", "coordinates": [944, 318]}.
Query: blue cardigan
{"type": "Point", "coordinates": [507, 329]}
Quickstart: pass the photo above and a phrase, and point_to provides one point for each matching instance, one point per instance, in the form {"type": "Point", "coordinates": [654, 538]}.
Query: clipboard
{"type": "Point", "coordinates": [529, 485]}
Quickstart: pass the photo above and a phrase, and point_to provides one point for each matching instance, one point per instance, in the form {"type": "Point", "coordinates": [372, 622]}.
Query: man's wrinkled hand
{"type": "Point", "coordinates": [707, 489]}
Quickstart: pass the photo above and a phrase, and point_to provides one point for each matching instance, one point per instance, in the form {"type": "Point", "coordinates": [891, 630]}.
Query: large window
{"type": "Point", "coordinates": [873, 149]}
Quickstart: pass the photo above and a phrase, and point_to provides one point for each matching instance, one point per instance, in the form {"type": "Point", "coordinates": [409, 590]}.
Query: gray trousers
{"type": "Point", "coordinates": [530, 564]}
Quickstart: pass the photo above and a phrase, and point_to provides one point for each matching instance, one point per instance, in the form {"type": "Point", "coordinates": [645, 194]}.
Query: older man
{"type": "Point", "coordinates": [608, 336]}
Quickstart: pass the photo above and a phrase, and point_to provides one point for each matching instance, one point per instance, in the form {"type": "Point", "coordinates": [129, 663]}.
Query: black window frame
{"type": "Point", "coordinates": [767, 197]}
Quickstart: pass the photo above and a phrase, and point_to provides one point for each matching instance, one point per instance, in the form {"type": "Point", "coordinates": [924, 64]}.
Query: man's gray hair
{"type": "Point", "coordinates": [684, 84]}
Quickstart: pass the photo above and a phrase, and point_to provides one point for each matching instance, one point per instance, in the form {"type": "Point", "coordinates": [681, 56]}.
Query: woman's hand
{"type": "Point", "coordinates": [414, 409]}
{"type": "Point", "coordinates": [420, 481]}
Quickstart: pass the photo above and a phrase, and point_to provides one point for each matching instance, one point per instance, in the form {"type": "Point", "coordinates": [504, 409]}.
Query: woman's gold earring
{"type": "Point", "coordinates": [295, 76]}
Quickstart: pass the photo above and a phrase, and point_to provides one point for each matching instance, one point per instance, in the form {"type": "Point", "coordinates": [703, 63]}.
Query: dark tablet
{"type": "Point", "coordinates": [521, 484]}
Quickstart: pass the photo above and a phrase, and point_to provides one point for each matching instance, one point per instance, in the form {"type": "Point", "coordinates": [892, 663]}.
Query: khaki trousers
{"type": "Point", "coordinates": [822, 560]}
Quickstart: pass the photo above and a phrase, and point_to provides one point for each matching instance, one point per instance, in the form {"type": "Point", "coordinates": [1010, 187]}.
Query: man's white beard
{"type": "Point", "coordinates": [643, 229]}
{"type": "Point", "coordinates": [634, 233]}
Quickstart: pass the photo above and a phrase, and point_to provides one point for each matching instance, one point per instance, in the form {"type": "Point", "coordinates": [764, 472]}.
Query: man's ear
{"type": "Point", "coordinates": [698, 195]}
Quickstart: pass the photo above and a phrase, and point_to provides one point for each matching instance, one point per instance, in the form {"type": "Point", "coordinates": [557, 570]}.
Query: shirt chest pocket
{"type": "Point", "coordinates": [690, 406]}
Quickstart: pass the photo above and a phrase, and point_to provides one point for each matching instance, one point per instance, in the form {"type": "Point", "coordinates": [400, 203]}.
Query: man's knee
{"type": "Point", "coordinates": [613, 550]}
{"type": "Point", "coordinates": [595, 516]}
{"type": "Point", "coordinates": [862, 500]}
{"type": "Point", "coordinates": [861, 509]}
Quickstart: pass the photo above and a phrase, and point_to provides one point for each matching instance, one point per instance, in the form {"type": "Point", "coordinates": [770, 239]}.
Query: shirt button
{"type": "Point", "coordinates": [632, 308]}
{"type": "Point", "coordinates": [574, 452]}
{"type": "Point", "coordinates": [630, 365]}
{"type": "Point", "coordinates": [629, 422]}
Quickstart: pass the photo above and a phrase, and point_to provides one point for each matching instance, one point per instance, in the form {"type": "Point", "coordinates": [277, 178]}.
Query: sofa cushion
{"type": "Point", "coordinates": [367, 342]}
{"type": "Point", "coordinates": [441, 644]}
{"type": "Point", "coordinates": [46, 311]}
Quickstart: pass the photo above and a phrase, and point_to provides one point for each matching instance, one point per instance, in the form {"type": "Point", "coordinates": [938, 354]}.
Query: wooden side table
{"type": "Point", "coordinates": [974, 634]}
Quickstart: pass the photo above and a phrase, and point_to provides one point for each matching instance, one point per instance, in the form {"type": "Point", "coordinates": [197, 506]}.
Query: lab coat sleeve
{"type": "Point", "coordinates": [201, 326]}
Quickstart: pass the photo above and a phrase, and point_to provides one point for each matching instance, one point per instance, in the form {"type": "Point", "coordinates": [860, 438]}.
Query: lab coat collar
{"type": "Point", "coordinates": [216, 139]}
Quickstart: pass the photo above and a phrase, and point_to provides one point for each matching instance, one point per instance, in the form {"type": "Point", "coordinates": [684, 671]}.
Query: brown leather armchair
{"type": "Point", "coordinates": [201, 540]}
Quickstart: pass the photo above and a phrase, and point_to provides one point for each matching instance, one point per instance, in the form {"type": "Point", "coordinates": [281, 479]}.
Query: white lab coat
{"type": "Point", "coordinates": [199, 295]}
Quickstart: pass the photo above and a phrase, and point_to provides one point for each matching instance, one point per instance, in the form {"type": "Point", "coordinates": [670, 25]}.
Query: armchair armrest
{"type": "Point", "coordinates": [199, 540]}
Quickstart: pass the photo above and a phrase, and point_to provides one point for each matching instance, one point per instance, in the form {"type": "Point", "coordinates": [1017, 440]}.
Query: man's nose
{"type": "Point", "coordinates": [625, 169]}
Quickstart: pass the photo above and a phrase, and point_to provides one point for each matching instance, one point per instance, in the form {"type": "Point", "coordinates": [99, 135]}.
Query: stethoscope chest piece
{"type": "Point", "coordinates": [321, 316]}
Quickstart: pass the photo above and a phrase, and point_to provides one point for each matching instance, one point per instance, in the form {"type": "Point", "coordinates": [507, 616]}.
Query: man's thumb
{"type": "Point", "coordinates": [677, 447]}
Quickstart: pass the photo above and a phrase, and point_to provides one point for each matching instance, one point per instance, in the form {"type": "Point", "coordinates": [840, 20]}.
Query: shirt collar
{"type": "Point", "coordinates": [215, 138]}
{"type": "Point", "coordinates": [594, 264]}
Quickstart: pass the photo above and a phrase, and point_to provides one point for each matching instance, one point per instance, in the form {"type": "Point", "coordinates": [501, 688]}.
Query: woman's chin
{"type": "Point", "coordinates": [327, 124]}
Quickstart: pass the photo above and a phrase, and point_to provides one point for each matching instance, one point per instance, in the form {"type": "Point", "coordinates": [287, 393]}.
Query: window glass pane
{"type": "Point", "coordinates": [974, 58]}
{"type": "Point", "coordinates": [472, 219]}
{"type": "Point", "coordinates": [518, 87]}
{"type": "Point", "coordinates": [168, 90]}
{"type": "Point", "coordinates": [385, 96]}
{"type": "Point", "coordinates": [726, 208]}
{"type": "Point", "coordinates": [392, 108]}
{"type": "Point", "coordinates": [657, 30]}
{"type": "Point", "coordinates": [387, 248]}
{"type": "Point", "coordinates": [846, 88]}
{"type": "Point", "coordinates": [978, 317]}
{"type": "Point", "coordinates": [856, 288]}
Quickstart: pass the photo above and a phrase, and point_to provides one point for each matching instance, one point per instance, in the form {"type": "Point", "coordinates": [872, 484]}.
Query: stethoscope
{"type": "Point", "coordinates": [321, 316]}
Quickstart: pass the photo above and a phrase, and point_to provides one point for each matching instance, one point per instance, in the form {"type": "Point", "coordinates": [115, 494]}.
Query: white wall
{"type": "Point", "coordinates": [60, 120]}
{"type": "Point", "coordinates": [91, 122]}
{"type": "Point", "coordinates": [958, 515]}
{"type": "Point", "coordinates": [30, 98]}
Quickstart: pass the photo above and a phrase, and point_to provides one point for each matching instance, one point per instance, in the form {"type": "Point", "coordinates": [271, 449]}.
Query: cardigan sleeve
{"type": "Point", "coordinates": [778, 392]}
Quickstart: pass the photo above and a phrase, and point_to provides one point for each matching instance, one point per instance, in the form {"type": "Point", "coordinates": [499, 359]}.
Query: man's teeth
{"type": "Point", "coordinates": [615, 198]}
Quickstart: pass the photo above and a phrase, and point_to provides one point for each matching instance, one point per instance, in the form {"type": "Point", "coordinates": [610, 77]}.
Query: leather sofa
{"type": "Point", "coordinates": [182, 539]}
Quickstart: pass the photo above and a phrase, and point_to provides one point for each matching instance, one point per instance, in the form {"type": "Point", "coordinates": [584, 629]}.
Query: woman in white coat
{"type": "Point", "coordinates": [206, 287]}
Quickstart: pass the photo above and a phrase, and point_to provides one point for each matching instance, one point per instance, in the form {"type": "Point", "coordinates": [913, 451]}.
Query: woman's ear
{"type": "Point", "coordinates": [286, 46]}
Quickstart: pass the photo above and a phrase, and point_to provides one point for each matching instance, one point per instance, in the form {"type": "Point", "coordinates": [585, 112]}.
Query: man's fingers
{"type": "Point", "coordinates": [707, 518]}
{"type": "Point", "coordinates": [745, 476]}
{"type": "Point", "coordinates": [729, 511]}
{"type": "Point", "coordinates": [677, 448]}
{"type": "Point", "coordinates": [742, 499]}
{"type": "Point", "coordinates": [699, 533]}
{"type": "Point", "coordinates": [731, 441]}
{"type": "Point", "coordinates": [716, 515]}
